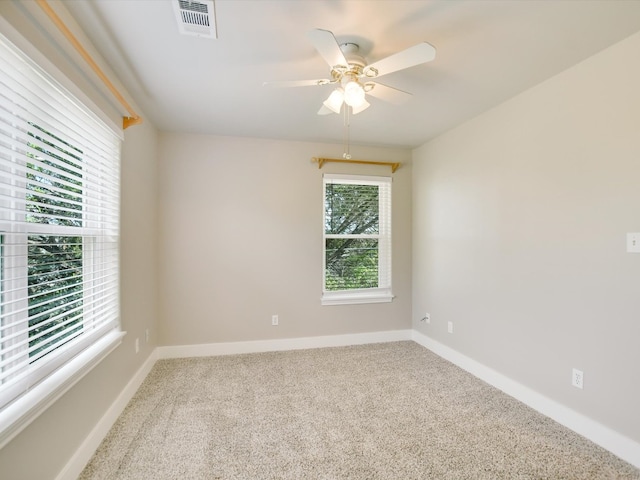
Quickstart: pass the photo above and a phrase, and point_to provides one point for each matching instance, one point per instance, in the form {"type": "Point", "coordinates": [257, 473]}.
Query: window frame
{"type": "Point", "coordinates": [42, 382]}
{"type": "Point", "coordinates": [383, 292]}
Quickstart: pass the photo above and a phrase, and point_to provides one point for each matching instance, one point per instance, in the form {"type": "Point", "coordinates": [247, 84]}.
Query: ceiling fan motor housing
{"type": "Point", "coordinates": [351, 53]}
{"type": "Point", "coordinates": [356, 65]}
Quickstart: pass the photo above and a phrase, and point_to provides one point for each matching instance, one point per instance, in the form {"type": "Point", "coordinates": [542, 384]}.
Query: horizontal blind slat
{"type": "Point", "coordinates": [19, 341]}
{"type": "Point", "coordinates": [99, 278]}
{"type": "Point", "coordinates": [26, 91]}
{"type": "Point", "coordinates": [95, 305]}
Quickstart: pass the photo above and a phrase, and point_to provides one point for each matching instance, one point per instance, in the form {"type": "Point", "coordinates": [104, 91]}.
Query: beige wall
{"type": "Point", "coordinates": [241, 240]}
{"type": "Point", "coordinates": [43, 449]}
{"type": "Point", "coordinates": [519, 228]}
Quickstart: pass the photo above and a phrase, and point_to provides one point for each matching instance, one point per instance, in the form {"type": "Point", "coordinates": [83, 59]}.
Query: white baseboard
{"type": "Point", "coordinates": [81, 457]}
{"type": "Point", "coordinates": [618, 444]}
{"type": "Point", "coordinates": [259, 346]}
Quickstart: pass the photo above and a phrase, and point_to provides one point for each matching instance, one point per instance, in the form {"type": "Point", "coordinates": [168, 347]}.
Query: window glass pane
{"type": "Point", "coordinates": [351, 209]}
{"type": "Point", "coordinates": [55, 291]}
{"type": "Point", "coordinates": [351, 263]}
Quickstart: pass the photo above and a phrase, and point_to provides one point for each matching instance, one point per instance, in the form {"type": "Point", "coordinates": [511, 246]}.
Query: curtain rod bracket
{"type": "Point", "coordinates": [128, 121]}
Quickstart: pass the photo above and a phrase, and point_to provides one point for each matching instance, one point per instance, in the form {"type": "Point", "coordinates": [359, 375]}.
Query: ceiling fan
{"type": "Point", "coordinates": [352, 75]}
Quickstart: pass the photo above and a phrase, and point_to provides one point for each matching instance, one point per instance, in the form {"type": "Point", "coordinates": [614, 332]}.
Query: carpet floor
{"type": "Point", "coordinates": [384, 411]}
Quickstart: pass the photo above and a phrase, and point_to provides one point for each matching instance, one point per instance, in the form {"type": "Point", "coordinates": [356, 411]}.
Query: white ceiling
{"type": "Point", "coordinates": [487, 52]}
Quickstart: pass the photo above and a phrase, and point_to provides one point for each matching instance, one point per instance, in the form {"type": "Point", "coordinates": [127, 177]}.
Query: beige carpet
{"type": "Point", "coordinates": [384, 411]}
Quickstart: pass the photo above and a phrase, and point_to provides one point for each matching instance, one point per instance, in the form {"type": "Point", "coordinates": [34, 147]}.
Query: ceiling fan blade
{"type": "Point", "coordinates": [388, 94]}
{"type": "Point", "coordinates": [327, 47]}
{"type": "Point", "coordinates": [420, 53]}
{"type": "Point", "coordinates": [297, 83]}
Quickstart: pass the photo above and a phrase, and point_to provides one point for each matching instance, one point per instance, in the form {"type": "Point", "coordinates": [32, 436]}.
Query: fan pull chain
{"type": "Point", "coordinates": [347, 154]}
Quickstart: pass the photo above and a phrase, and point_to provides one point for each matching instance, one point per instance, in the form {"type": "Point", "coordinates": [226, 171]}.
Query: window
{"type": "Point", "coordinates": [59, 221]}
{"type": "Point", "coordinates": [357, 239]}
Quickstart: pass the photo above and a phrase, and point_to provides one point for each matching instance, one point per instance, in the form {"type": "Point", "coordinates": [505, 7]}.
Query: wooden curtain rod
{"type": "Point", "coordinates": [134, 118]}
{"type": "Point", "coordinates": [321, 161]}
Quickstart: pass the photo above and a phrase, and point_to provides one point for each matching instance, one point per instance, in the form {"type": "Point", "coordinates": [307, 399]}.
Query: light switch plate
{"type": "Point", "coordinates": [633, 242]}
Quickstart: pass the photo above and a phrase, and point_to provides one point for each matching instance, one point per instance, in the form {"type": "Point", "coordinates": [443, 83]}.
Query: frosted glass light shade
{"type": "Point", "coordinates": [353, 94]}
{"type": "Point", "coordinates": [334, 102]}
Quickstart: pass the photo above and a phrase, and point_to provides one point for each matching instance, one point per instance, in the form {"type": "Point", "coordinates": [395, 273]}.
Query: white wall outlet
{"type": "Point", "coordinates": [274, 319]}
{"type": "Point", "coordinates": [577, 378]}
{"type": "Point", "coordinates": [426, 318]}
{"type": "Point", "coordinates": [450, 327]}
{"type": "Point", "coordinates": [146, 336]}
{"type": "Point", "coordinates": [633, 242]}
{"type": "Point", "coordinates": [137, 345]}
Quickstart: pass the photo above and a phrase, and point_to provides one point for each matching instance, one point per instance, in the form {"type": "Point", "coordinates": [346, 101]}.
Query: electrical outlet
{"type": "Point", "coordinates": [450, 327]}
{"type": "Point", "coordinates": [137, 345]}
{"type": "Point", "coordinates": [633, 242]}
{"type": "Point", "coordinates": [577, 378]}
{"type": "Point", "coordinates": [274, 319]}
{"type": "Point", "coordinates": [146, 336]}
{"type": "Point", "coordinates": [426, 318]}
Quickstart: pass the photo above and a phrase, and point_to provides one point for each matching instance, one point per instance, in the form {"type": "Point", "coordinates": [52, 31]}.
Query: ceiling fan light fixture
{"type": "Point", "coordinates": [353, 94]}
{"type": "Point", "coordinates": [334, 102]}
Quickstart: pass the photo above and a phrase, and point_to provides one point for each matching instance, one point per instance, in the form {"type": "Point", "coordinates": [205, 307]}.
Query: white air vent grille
{"type": "Point", "coordinates": [195, 17]}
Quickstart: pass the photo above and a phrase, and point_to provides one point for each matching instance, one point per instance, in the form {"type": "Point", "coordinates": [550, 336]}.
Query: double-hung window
{"type": "Point", "coordinates": [357, 239]}
{"type": "Point", "coordinates": [59, 222]}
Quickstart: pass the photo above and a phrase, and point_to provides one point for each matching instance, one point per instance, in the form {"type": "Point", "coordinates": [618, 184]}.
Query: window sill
{"type": "Point", "coordinates": [17, 415]}
{"type": "Point", "coordinates": [354, 297]}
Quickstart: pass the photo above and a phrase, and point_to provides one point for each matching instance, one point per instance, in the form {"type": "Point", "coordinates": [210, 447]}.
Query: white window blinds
{"type": "Point", "coordinates": [357, 239]}
{"type": "Point", "coordinates": [59, 222]}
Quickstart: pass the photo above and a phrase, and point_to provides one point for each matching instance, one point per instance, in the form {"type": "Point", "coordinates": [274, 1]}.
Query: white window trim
{"type": "Point", "coordinates": [348, 297]}
{"type": "Point", "coordinates": [367, 295]}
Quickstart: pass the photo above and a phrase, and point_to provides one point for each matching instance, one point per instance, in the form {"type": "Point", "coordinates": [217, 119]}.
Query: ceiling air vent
{"type": "Point", "coordinates": [195, 17]}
